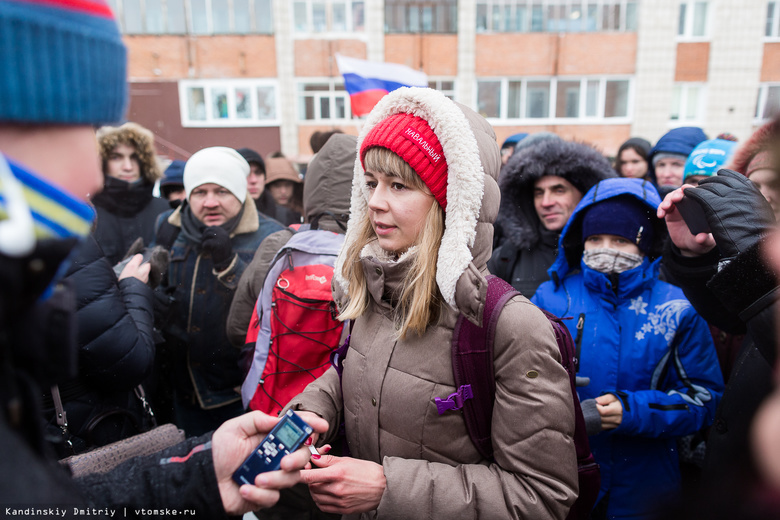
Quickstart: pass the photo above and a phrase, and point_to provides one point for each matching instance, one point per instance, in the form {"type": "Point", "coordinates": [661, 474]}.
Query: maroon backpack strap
{"type": "Point", "coordinates": [472, 366]}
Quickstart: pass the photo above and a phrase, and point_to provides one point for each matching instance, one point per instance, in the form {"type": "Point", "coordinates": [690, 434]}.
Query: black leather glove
{"type": "Point", "coordinates": [736, 211]}
{"type": "Point", "coordinates": [216, 242]}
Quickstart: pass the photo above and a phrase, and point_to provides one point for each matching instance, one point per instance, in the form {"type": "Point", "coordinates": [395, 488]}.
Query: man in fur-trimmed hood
{"type": "Point", "coordinates": [540, 187]}
{"type": "Point", "coordinates": [126, 208]}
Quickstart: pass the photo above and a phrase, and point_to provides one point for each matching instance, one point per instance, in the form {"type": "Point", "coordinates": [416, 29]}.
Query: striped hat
{"type": "Point", "coordinates": [411, 138]}
{"type": "Point", "coordinates": [61, 62]}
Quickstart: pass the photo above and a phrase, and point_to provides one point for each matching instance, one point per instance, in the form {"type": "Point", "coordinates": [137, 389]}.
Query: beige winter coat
{"type": "Point", "coordinates": [433, 470]}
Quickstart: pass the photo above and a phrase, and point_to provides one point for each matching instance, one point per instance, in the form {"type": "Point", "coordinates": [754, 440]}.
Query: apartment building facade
{"type": "Point", "coordinates": [262, 73]}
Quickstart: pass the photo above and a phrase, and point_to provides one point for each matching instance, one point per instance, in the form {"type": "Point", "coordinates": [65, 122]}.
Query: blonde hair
{"type": "Point", "coordinates": [419, 304]}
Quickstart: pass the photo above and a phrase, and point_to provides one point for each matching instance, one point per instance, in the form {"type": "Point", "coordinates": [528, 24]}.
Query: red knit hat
{"type": "Point", "coordinates": [412, 139]}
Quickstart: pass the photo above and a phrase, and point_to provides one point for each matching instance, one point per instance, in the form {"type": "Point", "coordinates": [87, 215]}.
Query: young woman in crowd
{"type": "Point", "coordinates": [648, 356]}
{"type": "Point", "coordinates": [631, 160]}
{"type": "Point", "coordinates": [423, 199]}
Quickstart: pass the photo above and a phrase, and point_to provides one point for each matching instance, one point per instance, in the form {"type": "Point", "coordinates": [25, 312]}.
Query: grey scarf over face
{"type": "Point", "coordinates": [609, 261]}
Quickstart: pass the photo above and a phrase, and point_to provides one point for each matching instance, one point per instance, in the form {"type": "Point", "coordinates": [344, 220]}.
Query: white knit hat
{"type": "Point", "coordinates": [218, 165]}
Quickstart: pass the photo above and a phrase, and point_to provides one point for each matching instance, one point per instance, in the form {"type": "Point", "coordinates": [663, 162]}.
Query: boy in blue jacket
{"type": "Point", "coordinates": [652, 368]}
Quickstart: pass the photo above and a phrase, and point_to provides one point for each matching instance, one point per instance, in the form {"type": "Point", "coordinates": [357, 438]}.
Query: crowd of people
{"type": "Point", "coordinates": [120, 309]}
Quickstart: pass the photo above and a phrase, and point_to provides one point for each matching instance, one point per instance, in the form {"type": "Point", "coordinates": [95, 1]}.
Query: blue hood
{"type": "Point", "coordinates": [570, 244]}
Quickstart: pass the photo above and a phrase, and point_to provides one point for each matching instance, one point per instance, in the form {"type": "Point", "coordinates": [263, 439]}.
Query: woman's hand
{"type": "Point", "coordinates": [344, 485]}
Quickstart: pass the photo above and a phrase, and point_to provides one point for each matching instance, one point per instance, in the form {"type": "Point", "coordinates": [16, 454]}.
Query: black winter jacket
{"type": "Point", "coordinates": [116, 350]}
{"type": "Point", "coordinates": [37, 348]}
{"type": "Point", "coordinates": [525, 268]}
{"type": "Point", "coordinates": [741, 297]}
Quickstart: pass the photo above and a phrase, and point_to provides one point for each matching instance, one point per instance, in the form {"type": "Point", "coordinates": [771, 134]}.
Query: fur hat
{"type": "Point", "coordinates": [766, 137]}
{"type": "Point", "coordinates": [61, 62]}
{"type": "Point", "coordinates": [762, 160]}
{"type": "Point", "coordinates": [141, 139]}
{"type": "Point", "coordinates": [412, 139]}
{"type": "Point", "coordinates": [218, 165]}
{"type": "Point", "coordinates": [580, 164]}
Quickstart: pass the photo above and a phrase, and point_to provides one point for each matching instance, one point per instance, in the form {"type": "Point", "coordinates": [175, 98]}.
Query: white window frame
{"type": "Point", "coordinates": [230, 85]}
{"type": "Point", "coordinates": [435, 82]}
{"type": "Point", "coordinates": [581, 119]}
{"type": "Point", "coordinates": [701, 109]}
{"type": "Point", "coordinates": [763, 94]}
{"type": "Point", "coordinates": [545, 4]}
{"type": "Point", "coordinates": [330, 94]}
{"type": "Point", "coordinates": [309, 33]}
{"type": "Point", "coordinates": [118, 7]}
{"type": "Point", "coordinates": [687, 35]}
{"type": "Point", "coordinates": [775, 22]}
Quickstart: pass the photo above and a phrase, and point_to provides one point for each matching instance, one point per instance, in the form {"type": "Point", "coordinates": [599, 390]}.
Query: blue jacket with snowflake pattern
{"type": "Point", "coordinates": [641, 340]}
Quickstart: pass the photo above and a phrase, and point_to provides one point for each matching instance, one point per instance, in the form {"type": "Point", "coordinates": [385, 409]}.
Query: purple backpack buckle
{"type": "Point", "coordinates": [455, 400]}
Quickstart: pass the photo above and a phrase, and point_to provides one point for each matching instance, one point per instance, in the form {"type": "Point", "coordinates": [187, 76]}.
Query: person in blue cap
{"type": "Point", "coordinates": [172, 184]}
{"type": "Point", "coordinates": [706, 159]}
{"type": "Point", "coordinates": [651, 370]}
{"type": "Point", "coordinates": [668, 156]}
{"type": "Point", "coordinates": [508, 147]}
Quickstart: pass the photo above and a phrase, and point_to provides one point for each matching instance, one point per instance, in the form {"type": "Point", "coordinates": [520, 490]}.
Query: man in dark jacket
{"type": "Point", "coordinates": [729, 283]}
{"type": "Point", "coordinates": [219, 230]}
{"type": "Point", "coordinates": [43, 218]}
{"type": "Point", "coordinates": [126, 208]}
{"type": "Point", "coordinates": [540, 187]}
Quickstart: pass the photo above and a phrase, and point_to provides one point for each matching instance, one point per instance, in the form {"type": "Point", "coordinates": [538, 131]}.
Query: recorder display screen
{"type": "Point", "coordinates": [288, 434]}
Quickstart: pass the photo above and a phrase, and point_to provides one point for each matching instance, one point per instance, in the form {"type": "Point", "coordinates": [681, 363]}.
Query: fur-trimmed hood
{"type": "Point", "coordinates": [570, 245]}
{"type": "Point", "coordinates": [580, 164]}
{"type": "Point", "coordinates": [765, 138]}
{"type": "Point", "coordinates": [138, 137]}
{"type": "Point", "coordinates": [473, 162]}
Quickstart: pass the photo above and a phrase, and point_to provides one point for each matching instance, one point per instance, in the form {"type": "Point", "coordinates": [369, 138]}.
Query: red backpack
{"type": "Point", "coordinates": [293, 327]}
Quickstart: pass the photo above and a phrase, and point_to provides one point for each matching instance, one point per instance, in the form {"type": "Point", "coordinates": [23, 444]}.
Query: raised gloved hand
{"type": "Point", "coordinates": [737, 213]}
{"type": "Point", "coordinates": [216, 241]}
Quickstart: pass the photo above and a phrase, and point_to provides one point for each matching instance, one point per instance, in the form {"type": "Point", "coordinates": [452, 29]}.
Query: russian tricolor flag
{"type": "Point", "coordinates": [368, 81]}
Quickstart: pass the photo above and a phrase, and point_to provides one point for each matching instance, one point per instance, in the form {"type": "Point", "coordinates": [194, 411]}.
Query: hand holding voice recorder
{"type": "Point", "coordinates": [286, 437]}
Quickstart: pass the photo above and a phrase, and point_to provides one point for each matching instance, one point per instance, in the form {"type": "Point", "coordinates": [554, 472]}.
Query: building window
{"type": "Point", "coordinates": [328, 16]}
{"type": "Point", "coordinates": [228, 103]}
{"type": "Point", "coordinates": [693, 20]}
{"type": "Point", "coordinates": [772, 20]}
{"type": "Point", "coordinates": [205, 16]}
{"type": "Point", "coordinates": [560, 99]}
{"type": "Point", "coordinates": [324, 100]}
{"type": "Point", "coordinates": [445, 86]}
{"type": "Point", "coordinates": [768, 102]}
{"type": "Point", "coordinates": [415, 16]}
{"type": "Point", "coordinates": [688, 103]}
{"type": "Point", "coordinates": [556, 15]}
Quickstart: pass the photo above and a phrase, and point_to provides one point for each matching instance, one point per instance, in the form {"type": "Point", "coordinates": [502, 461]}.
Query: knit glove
{"type": "Point", "coordinates": [736, 211]}
{"type": "Point", "coordinates": [216, 242]}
